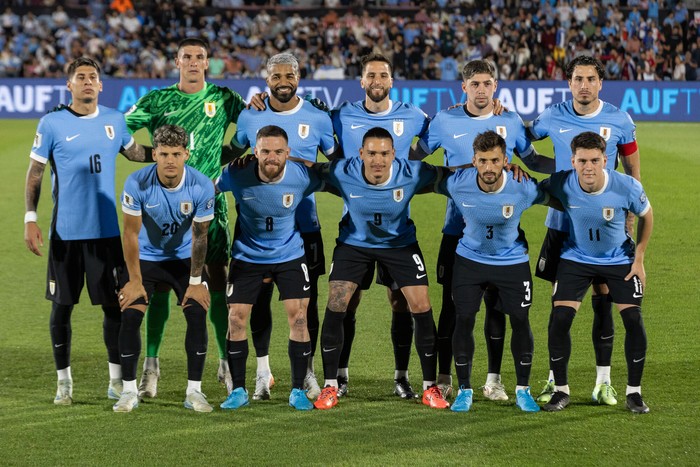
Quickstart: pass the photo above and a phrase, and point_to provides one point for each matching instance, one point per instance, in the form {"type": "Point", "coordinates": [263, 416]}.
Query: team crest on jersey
{"type": "Point", "coordinates": [109, 129]}
{"type": "Point", "coordinates": [608, 213]}
{"type": "Point", "coordinates": [37, 140]}
{"type": "Point", "coordinates": [508, 210]}
{"type": "Point", "coordinates": [52, 287]}
{"type": "Point", "coordinates": [186, 207]}
{"type": "Point", "coordinates": [210, 109]}
{"type": "Point", "coordinates": [287, 200]}
{"type": "Point", "coordinates": [502, 131]}
{"type": "Point", "coordinates": [398, 194]}
{"type": "Point", "coordinates": [303, 130]}
{"type": "Point", "coordinates": [605, 132]}
{"type": "Point", "coordinates": [210, 203]}
{"type": "Point", "coordinates": [128, 200]}
{"type": "Point", "coordinates": [398, 127]}
{"type": "Point", "coordinates": [643, 197]}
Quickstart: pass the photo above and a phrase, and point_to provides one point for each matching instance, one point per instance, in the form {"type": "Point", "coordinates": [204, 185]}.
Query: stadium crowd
{"type": "Point", "coordinates": [636, 39]}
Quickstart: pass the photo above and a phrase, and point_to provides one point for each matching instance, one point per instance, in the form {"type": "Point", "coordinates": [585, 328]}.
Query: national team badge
{"type": "Point", "coordinates": [52, 287]}
{"type": "Point", "coordinates": [210, 109]}
{"type": "Point", "coordinates": [37, 140]}
{"type": "Point", "coordinates": [605, 132]}
{"type": "Point", "coordinates": [109, 129]}
{"type": "Point", "coordinates": [128, 200]}
{"type": "Point", "coordinates": [303, 130]}
{"type": "Point", "coordinates": [608, 213]}
{"type": "Point", "coordinates": [287, 200]}
{"type": "Point", "coordinates": [502, 131]}
{"type": "Point", "coordinates": [398, 194]}
{"type": "Point", "coordinates": [186, 207]}
{"type": "Point", "coordinates": [508, 211]}
{"type": "Point", "coordinates": [398, 127]}
{"type": "Point", "coordinates": [210, 203]}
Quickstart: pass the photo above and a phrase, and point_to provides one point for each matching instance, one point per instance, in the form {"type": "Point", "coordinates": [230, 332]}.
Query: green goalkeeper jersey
{"type": "Point", "coordinates": [205, 116]}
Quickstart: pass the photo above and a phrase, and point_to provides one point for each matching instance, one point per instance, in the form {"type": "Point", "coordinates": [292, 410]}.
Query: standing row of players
{"type": "Point", "coordinates": [205, 110]}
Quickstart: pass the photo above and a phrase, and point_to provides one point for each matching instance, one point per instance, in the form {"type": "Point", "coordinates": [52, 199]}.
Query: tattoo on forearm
{"type": "Point", "coordinates": [33, 189]}
{"type": "Point", "coordinates": [199, 247]}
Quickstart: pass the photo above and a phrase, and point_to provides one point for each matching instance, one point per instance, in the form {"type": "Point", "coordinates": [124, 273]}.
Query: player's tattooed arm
{"type": "Point", "coordinates": [231, 152]}
{"type": "Point", "coordinates": [198, 292]}
{"type": "Point", "coordinates": [138, 153]}
{"type": "Point", "coordinates": [32, 233]}
{"type": "Point", "coordinates": [631, 166]}
{"type": "Point", "coordinates": [339, 295]}
{"type": "Point", "coordinates": [539, 162]}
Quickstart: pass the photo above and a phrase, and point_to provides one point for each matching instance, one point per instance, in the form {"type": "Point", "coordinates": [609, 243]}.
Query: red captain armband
{"type": "Point", "coordinates": [628, 148]}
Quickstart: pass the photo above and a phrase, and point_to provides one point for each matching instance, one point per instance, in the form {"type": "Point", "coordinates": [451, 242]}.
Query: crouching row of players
{"type": "Point", "coordinates": [168, 207]}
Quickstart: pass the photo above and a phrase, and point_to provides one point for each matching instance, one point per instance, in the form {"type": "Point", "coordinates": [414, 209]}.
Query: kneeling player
{"type": "Point", "coordinates": [491, 253]}
{"type": "Point", "coordinates": [268, 244]}
{"type": "Point", "coordinates": [167, 209]}
{"type": "Point", "coordinates": [597, 201]}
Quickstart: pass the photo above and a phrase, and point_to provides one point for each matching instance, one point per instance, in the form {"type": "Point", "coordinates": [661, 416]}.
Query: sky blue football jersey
{"type": "Point", "coordinates": [561, 123]}
{"type": "Point", "coordinates": [403, 121]}
{"type": "Point", "coordinates": [308, 129]}
{"type": "Point", "coordinates": [167, 213]}
{"type": "Point", "coordinates": [82, 153]}
{"type": "Point", "coordinates": [377, 215]}
{"type": "Point", "coordinates": [492, 233]}
{"type": "Point", "coordinates": [266, 231]}
{"type": "Point", "coordinates": [598, 234]}
{"type": "Point", "coordinates": [454, 131]}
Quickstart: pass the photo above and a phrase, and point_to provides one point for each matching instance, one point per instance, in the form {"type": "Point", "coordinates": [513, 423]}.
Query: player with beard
{"type": "Point", "coordinates": [309, 129]}
{"type": "Point", "coordinates": [403, 121]}
{"type": "Point", "coordinates": [562, 122]}
{"type": "Point", "coordinates": [267, 243]}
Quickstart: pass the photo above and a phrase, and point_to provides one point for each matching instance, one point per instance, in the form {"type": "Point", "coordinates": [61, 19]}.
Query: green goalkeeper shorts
{"type": "Point", "coordinates": [219, 237]}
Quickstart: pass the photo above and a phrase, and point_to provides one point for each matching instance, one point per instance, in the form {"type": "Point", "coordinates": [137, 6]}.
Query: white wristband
{"type": "Point", "coordinates": [30, 216]}
{"type": "Point", "coordinates": [195, 280]}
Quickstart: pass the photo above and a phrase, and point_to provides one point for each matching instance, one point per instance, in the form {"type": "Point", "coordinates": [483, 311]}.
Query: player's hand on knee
{"type": "Point", "coordinates": [199, 293]}
{"type": "Point", "coordinates": [132, 291]}
{"type": "Point", "coordinates": [257, 102]}
{"type": "Point", "coordinates": [33, 238]}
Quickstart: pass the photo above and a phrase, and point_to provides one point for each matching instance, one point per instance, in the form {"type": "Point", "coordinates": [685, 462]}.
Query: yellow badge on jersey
{"type": "Point", "coordinates": [605, 132]}
{"type": "Point", "coordinates": [186, 207]}
{"type": "Point", "coordinates": [508, 210]}
{"type": "Point", "coordinates": [303, 130]}
{"type": "Point", "coordinates": [608, 214]}
{"type": "Point", "coordinates": [398, 194]}
{"type": "Point", "coordinates": [502, 131]}
{"type": "Point", "coordinates": [287, 200]}
{"type": "Point", "coordinates": [109, 129]}
{"type": "Point", "coordinates": [210, 109]}
{"type": "Point", "coordinates": [398, 127]}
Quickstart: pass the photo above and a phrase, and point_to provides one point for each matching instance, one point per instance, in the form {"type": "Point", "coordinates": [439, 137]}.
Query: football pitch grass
{"type": "Point", "coordinates": [370, 425]}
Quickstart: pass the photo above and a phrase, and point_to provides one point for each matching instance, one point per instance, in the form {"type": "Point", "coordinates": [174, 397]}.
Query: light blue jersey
{"type": "Point", "coordinates": [598, 234]}
{"type": "Point", "coordinates": [404, 121]}
{"type": "Point", "coordinates": [561, 123]}
{"type": "Point", "coordinates": [308, 129]}
{"type": "Point", "coordinates": [492, 233]}
{"type": "Point", "coordinates": [167, 213]}
{"type": "Point", "coordinates": [454, 131]}
{"type": "Point", "coordinates": [377, 215]}
{"type": "Point", "coordinates": [82, 151]}
{"type": "Point", "coordinates": [266, 230]}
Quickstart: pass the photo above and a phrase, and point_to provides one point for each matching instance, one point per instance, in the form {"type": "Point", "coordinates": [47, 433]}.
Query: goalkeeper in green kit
{"type": "Point", "coordinates": [205, 111]}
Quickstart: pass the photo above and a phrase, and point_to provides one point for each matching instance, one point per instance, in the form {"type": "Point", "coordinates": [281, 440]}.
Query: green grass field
{"type": "Point", "coordinates": [370, 426]}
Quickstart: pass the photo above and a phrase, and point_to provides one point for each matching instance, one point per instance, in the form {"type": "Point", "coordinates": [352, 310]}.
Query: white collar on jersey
{"type": "Point", "coordinates": [595, 113]}
{"type": "Point", "coordinates": [391, 175]}
{"type": "Point", "coordinates": [291, 111]}
{"type": "Point", "coordinates": [284, 172]}
{"type": "Point", "coordinates": [179, 185]}
{"type": "Point", "coordinates": [95, 114]}
{"type": "Point", "coordinates": [384, 112]}
{"type": "Point", "coordinates": [605, 185]}
{"type": "Point", "coordinates": [482, 117]}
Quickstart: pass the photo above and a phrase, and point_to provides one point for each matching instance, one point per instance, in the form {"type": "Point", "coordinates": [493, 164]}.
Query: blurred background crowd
{"type": "Point", "coordinates": [427, 40]}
